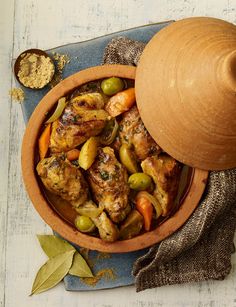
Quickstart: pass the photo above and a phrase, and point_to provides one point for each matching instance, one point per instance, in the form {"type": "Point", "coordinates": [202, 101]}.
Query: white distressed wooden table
{"type": "Point", "coordinates": [44, 24]}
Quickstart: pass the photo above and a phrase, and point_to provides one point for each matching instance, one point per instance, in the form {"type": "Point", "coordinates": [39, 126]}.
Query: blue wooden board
{"type": "Point", "coordinates": [83, 55]}
{"type": "Point", "coordinates": [120, 264]}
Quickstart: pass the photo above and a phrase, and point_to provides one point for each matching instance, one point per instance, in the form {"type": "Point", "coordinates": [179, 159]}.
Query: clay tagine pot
{"type": "Point", "coordinates": [195, 183]}
{"type": "Point", "coordinates": [186, 91]}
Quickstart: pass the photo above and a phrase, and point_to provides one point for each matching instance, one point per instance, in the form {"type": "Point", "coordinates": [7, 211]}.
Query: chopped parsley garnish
{"type": "Point", "coordinates": [104, 175]}
{"type": "Point", "coordinates": [76, 118]}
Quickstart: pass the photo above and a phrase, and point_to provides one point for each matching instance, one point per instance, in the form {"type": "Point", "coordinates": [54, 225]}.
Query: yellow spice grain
{"type": "Point", "coordinates": [17, 94]}
{"type": "Point", "coordinates": [61, 61]}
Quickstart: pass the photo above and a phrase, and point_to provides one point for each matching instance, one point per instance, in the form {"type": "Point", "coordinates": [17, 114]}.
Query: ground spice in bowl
{"type": "Point", "coordinates": [34, 70]}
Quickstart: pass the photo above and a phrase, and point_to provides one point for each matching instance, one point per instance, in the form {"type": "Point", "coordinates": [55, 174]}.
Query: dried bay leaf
{"type": "Point", "coordinates": [53, 246]}
{"type": "Point", "coordinates": [63, 259]}
{"type": "Point", "coordinates": [80, 267]}
{"type": "Point", "coordinates": [52, 272]}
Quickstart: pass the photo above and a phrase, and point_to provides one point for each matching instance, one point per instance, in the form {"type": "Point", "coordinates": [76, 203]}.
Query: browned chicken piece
{"type": "Point", "coordinates": [108, 180]}
{"type": "Point", "coordinates": [82, 118]}
{"type": "Point", "coordinates": [63, 178]}
{"type": "Point", "coordinates": [133, 132]}
{"type": "Point", "coordinates": [107, 230]}
{"type": "Point", "coordinates": [165, 172]}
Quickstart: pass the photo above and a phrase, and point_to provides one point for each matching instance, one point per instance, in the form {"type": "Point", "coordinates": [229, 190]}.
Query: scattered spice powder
{"type": "Point", "coordinates": [101, 256]}
{"type": "Point", "coordinates": [35, 70]}
{"type": "Point", "coordinates": [17, 94]}
{"type": "Point", "coordinates": [61, 61]}
{"type": "Point", "coordinates": [108, 274]}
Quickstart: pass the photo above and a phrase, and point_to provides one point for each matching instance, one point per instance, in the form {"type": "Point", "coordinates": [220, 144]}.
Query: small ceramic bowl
{"type": "Point", "coordinates": [195, 186]}
{"type": "Point", "coordinates": [38, 52]}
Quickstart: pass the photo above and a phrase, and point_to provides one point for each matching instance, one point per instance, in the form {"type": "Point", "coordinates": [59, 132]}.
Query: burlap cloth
{"type": "Point", "coordinates": [202, 248]}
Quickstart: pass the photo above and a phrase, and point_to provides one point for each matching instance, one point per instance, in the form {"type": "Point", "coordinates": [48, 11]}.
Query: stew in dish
{"type": "Point", "coordinates": [96, 155]}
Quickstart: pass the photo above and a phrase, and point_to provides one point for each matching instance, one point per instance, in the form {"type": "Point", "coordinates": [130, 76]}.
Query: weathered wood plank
{"type": "Point", "coordinates": [6, 43]}
{"type": "Point", "coordinates": [45, 24]}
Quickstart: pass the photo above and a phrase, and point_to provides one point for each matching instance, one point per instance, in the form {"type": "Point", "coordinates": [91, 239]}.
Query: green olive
{"type": "Point", "coordinates": [139, 181]}
{"type": "Point", "coordinates": [112, 86]}
{"type": "Point", "coordinates": [127, 159]}
{"type": "Point", "coordinates": [84, 223]}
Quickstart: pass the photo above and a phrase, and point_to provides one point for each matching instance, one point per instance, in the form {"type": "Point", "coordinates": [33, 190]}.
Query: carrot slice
{"type": "Point", "coordinates": [144, 206]}
{"type": "Point", "coordinates": [44, 141]}
{"type": "Point", "coordinates": [73, 154]}
{"type": "Point", "coordinates": [121, 102]}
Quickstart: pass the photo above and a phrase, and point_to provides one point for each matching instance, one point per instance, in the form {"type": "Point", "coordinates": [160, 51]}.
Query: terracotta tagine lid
{"type": "Point", "coordinates": [186, 91]}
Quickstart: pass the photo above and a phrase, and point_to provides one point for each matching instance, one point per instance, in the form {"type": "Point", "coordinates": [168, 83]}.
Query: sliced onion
{"type": "Point", "coordinates": [89, 209]}
{"type": "Point", "coordinates": [59, 109]}
{"type": "Point", "coordinates": [109, 132]}
{"type": "Point", "coordinates": [153, 201]}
